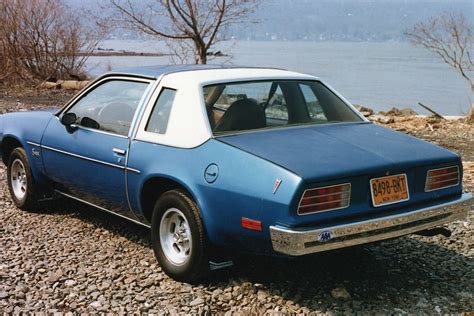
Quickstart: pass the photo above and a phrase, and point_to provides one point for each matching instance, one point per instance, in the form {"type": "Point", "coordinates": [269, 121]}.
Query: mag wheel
{"type": "Point", "coordinates": [20, 181]}
{"type": "Point", "coordinates": [178, 237]}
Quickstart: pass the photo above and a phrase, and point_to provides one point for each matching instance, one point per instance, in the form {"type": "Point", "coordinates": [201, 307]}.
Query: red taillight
{"type": "Point", "coordinates": [325, 199]}
{"type": "Point", "coordinates": [442, 178]}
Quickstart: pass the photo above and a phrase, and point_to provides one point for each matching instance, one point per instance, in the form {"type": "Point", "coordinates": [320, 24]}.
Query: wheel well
{"type": "Point", "coordinates": [8, 144]}
{"type": "Point", "coordinates": [153, 189]}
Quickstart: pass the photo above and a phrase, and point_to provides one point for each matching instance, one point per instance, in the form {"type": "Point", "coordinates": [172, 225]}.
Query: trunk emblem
{"type": "Point", "coordinates": [276, 185]}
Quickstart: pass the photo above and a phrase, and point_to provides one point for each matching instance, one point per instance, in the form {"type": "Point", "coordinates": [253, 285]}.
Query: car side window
{"type": "Point", "coordinates": [315, 110]}
{"type": "Point", "coordinates": [110, 106]}
{"type": "Point", "coordinates": [277, 108]}
{"type": "Point", "coordinates": [158, 122]}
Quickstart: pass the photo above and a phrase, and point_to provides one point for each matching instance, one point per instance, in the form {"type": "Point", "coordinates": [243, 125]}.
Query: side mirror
{"type": "Point", "coordinates": [68, 119]}
{"type": "Point", "coordinates": [88, 122]}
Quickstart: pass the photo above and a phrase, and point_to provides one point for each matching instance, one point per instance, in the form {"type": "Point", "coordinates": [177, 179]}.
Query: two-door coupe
{"type": "Point", "coordinates": [257, 160]}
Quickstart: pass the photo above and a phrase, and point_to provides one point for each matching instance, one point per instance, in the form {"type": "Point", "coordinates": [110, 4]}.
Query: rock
{"type": "Point", "coordinates": [96, 304]}
{"type": "Point", "coordinates": [408, 112]}
{"type": "Point", "coordinates": [70, 283]}
{"type": "Point", "coordinates": [55, 276]}
{"type": "Point", "coordinates": [196, 302]}
{"type": "Point", "coordinates": [340, 293]}
{"type": "Point", "coordinates": [399, 112]}
{"type": "Point", "coordinates": [261, 295]}
{"type": "Point", "coordinates": [3, 295]}
{"type": "Point", "coordinates": [364, 111]}
{"type": "Point", "coordinates": [381, 119]}
{"type": "Point", "coordinates": [21, 288]}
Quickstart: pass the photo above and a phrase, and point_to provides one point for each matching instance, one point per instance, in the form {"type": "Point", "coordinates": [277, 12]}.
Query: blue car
{"type": "Point", "coordinates": [215, 158]}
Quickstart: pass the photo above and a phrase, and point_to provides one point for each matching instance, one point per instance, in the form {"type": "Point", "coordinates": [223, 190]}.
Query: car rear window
{"type": "Point", "coordinates": [234, 107]}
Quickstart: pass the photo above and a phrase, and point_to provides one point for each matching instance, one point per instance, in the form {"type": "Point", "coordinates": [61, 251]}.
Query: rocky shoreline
{"type": "Point", "coordinates": [71, 258]}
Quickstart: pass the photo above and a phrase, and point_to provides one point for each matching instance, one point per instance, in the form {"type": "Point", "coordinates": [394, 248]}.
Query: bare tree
{"type": "Point", "coordinates": [450, 37]}
{"type": "Point", "coordinates": [191, 26]}
{"type": "Point", "coordinates": [43, 39]}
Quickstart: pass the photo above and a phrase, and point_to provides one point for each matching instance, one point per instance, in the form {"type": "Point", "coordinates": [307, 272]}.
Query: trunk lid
{"type": "Point", "coordinates": [320, 153]}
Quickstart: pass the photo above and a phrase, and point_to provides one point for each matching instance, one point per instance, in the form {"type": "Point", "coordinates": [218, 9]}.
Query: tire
{"type": "Point", "coordinates": [178, 237]}
{"type": "Point", "coordinates": [22, 187]}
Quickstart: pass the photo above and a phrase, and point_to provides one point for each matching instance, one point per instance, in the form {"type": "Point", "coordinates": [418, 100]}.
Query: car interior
{"type": "Point", "coordinates": [268, 104]}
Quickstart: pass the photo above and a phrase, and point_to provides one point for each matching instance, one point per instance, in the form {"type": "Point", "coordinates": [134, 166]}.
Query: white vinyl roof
{"type": "Point", "coordinates": [188, 124]}
{"type": "Point", "coordinates": [209, 76]}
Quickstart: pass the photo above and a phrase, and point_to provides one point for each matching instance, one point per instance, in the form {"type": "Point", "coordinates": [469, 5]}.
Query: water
{"type": "Point", "coordinates": [377, 75]}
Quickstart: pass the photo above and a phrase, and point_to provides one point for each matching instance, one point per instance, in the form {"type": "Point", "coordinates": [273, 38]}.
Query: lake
{"type": "Point", "coordinates": [377, 75]}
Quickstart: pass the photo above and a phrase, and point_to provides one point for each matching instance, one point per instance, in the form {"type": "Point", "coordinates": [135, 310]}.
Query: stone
{"type": "Point", "coordinates": [55, 276]}
{"type": "Point", "coordinates": [261, 295]}
{"type": "Point", "coordinates": [340, 293]}
{"type": "Point", "coordinates": [364, 110]}
{"type": "Point", "coordinates": [96, 304]}
{"type": "Point", "coordinates": [70, 283]}
{"type": "Point", "coordinates": [381, 118]}
{"type": "Point", "coordinates": [196, 302]}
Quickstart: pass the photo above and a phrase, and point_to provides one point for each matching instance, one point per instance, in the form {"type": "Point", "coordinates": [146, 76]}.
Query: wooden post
{"type": "Point", "coordinates": [432, 111]}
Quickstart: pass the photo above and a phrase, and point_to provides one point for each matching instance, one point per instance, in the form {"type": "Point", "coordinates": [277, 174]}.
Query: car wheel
{"type": "Point", "coordinates": [20, 181]}
{"type": "Point", "coordinates": [178, 237]}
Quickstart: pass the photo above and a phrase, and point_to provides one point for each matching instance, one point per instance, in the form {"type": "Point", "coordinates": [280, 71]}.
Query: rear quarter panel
{"type": "Point", "coordinates": [244, 188]}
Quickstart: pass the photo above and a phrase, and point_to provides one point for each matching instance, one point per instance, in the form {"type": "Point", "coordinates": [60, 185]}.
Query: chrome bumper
{"type": "Point", "coordinates": [297, 242]}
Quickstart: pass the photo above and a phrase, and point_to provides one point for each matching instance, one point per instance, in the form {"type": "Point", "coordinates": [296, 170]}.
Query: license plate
{"type": "Point", "coordinates": [389, 190]}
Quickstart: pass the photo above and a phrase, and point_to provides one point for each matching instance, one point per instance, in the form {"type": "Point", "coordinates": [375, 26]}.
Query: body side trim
{"type": "Point", "coordinates": [89, 159]}
{"type": "Point", "coordinates": [33, 144]}
{"type": "Point", "coordinates": [103, 209]}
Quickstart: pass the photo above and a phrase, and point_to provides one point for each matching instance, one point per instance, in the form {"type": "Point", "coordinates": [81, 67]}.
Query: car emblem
{"type": "Point", "coordinates": [325, 236]}
{"type": "Point", "coordinates": [276, 185]}
{"type": "Point", "coordinates": [35, 152]}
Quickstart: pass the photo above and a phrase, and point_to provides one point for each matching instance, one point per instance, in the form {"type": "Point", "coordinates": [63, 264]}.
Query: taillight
{"type": "Point", "coordinates": [442, 178]}
{"type": "Point", "coordinates": [325, 199]}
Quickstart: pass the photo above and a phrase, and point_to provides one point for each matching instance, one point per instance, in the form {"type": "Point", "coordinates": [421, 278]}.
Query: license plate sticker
{"type": "Point", "coordinates": [389, 190]}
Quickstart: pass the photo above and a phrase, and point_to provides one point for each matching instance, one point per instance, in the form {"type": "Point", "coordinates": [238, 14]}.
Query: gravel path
{"type": "Point", "coordinates": [68, 257]}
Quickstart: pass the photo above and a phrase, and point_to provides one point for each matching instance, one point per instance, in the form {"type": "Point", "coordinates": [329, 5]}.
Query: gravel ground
{"type": "Point", "coordinates": [69, 257]}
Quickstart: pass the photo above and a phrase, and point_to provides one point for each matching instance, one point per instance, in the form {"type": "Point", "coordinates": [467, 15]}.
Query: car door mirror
{"type": "Point", "coordinates": [90, 123]}
{"type": "Point", "coordinates": [68, 119]}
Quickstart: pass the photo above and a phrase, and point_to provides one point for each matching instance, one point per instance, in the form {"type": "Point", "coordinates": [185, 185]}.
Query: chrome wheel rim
{"type": "Point", "coordinates": [18, 179]}
{"type": "Point", "coordinates": [175, 236]}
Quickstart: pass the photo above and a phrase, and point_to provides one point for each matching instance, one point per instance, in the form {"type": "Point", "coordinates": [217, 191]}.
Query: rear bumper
{"type": "Point", "coordinates": [297, 242]}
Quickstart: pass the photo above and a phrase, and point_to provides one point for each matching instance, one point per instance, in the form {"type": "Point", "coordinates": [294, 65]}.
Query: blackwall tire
{"type": "Point", "coordinates": [178, 237]}
{"type": "Point", "coordinates": [22, 187]}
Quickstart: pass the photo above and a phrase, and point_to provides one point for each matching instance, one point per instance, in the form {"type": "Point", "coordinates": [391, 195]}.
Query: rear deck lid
{"type": "Point", "coordinates": [319, 153]}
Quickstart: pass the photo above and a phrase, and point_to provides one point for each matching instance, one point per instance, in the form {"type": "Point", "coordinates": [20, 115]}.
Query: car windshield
{"type": "Point", "coordinates": [234, 107]}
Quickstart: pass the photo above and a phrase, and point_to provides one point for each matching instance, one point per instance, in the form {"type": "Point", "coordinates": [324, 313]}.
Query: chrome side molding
{"type": "Point", "coordinates": [88, 158]}
{"type": "Point", "coordinates": [101, 208]}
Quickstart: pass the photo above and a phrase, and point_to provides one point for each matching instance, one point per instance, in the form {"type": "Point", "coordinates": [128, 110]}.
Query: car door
{"type": "Point", "coordinates": [88, 160]}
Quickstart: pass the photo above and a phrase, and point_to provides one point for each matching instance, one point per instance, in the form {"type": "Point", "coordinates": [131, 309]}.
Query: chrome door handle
{"type": "Point", "coordinates": [119, 151]}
